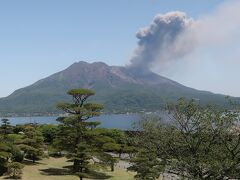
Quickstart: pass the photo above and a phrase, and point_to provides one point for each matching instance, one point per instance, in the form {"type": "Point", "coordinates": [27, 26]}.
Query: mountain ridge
{"type": "Point", "coordinates": [119, 88]}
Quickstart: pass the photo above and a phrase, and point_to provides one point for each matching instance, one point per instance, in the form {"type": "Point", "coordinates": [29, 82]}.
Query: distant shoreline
{"type": "Point", "coordinates": [17, 115]}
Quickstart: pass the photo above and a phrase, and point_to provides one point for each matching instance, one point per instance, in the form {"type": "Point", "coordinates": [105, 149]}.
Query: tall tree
{"type": "Point", "coordinates": [199, 143]}
{"type": "Point", "coordinates": [76, 135]}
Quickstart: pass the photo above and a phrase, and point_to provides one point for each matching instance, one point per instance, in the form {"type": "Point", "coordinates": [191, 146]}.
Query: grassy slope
{"type": "Point", "coordinates": [33, 172]}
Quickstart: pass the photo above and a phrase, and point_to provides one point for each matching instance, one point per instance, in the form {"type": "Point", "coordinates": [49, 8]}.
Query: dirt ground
{"type": "Point", "coordinates": [52, 169]}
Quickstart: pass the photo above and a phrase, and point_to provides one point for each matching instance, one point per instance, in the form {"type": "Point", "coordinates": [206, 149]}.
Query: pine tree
{"type": "Point", "coordinates": [31, 143]}
{"type": "Point", "coordinates": [76, 135]}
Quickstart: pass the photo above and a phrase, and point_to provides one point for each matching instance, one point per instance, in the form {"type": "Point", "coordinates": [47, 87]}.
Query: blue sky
{"type": "Point", "coordinates": [39, 38]}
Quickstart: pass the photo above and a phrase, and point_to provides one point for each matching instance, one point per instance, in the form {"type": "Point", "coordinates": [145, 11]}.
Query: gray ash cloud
{"type": "Point", "coordinates": [162, 41]}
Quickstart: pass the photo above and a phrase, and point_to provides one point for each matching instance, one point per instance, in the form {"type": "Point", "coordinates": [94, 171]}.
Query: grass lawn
{"type": "Point", "coordinates": [52, 169]}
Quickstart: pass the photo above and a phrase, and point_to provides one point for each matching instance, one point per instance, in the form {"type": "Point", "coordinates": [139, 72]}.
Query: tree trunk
{"type": "Point", "coordinates": [112, 167]}
{"type": "Point", "coordinates": [33, 159]}
{"type": "Point", "coordinates": [75, 165]}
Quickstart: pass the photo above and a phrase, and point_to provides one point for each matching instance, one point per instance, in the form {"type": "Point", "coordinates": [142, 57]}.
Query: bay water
{"type": "Point", "coordinates": [118, 121]}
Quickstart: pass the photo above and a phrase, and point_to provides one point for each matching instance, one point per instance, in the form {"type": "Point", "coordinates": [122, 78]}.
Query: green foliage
{"type": "Point", "coordinates": [114, 141]}
{"type": "Point", "coordinates": [5, 154]}
{"type": "Point", "coordinates": [5, 146]}
{"type": "Point", "coordinates": [10, 154]}
{"type": "Point", "coordinates": [76, 135]}
{"type": "Point", "coordinates": [147, 165]}
{"type": "Point", "coordinates": [16, 144]}
{"type": "Point", "coordinates": [108, 160]}
{"type": "Point", "coordinates": [117, 135]}
{"type": "Point", "coordinates": [200, 143]}
{"type": "Point", "coordinates": [82, 92]}
{"type": "Point", "coordinates": [49, 132]}
{"type": "Point", "coordinates": [15, 170]}
{"type": "Point", "coordinates": [5, 128]}
{"type": "Point", "coordinates": [17, 155]}
{"type": "Point", "coordinates": [31, 143]}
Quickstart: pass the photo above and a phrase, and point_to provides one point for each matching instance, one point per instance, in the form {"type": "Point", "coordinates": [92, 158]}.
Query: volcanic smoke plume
{"type": "Point", "coordinates": [162, 41]}
{"type": "Point", "coordinates": [202, 53]}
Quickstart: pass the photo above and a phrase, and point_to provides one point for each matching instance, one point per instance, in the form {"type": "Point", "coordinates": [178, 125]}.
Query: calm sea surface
{"type": "Point", "coordinates": [119, 121]}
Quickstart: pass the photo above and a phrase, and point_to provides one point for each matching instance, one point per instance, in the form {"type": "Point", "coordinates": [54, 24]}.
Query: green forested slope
{"type": "Point", "coordinates": [119, 88]}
